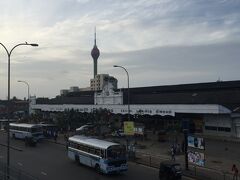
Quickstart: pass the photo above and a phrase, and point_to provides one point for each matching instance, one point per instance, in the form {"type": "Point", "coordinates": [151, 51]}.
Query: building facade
{"type": "Point", "coordinates": [209, 108]}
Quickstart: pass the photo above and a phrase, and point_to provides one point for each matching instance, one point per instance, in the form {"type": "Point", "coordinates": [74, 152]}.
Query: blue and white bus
{"type": "Point", "coordinates": [106, 157]}
{"type": "Point", "coordinates": [24, 131]}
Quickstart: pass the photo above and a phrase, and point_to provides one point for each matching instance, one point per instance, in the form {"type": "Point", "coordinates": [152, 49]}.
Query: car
{"type": "Point", "coordinates": [170, 170]}
{"type": "Point", "coordinates": [85, 127]}
{"type": "Point", "coordinates": [118, 133]}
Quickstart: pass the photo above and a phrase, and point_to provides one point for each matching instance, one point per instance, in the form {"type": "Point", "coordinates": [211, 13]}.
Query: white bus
{"type": "Point", "coordinates": [25, 131]}
{"type": "Point", "coordinates": [106, 157]}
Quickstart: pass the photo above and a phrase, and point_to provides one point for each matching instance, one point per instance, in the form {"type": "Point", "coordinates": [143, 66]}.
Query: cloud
{"type": "Point", "coordinates": [177, 64]}
{"type": "Point", "coordinates": [168, 40]}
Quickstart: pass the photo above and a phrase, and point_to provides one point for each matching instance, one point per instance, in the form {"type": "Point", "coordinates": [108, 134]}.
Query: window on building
{"type": "Point", "coordinates": [212, 128]}
{"type": "Point", "coordinates": [225, 129]}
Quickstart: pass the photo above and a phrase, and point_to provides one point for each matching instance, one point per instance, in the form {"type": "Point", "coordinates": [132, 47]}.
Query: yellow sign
{"type": "Point", "coordinates": [129, 128]}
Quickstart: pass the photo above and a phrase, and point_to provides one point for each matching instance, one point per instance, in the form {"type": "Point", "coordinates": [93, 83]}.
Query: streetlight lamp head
{"type": "Point", "coordinates": [115, 66]}
{"type": "Point", "coordinates": [33, 44]}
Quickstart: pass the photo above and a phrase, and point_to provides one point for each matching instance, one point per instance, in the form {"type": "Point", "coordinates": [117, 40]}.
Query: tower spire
{"type": "Point", "coordinates": [95, 36]}
{"type": "Point", "coordinates": [95, 53]}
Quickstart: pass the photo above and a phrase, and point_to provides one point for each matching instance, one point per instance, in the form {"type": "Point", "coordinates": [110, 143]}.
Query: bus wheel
{"type": "Point", "coordinates": [97, 168]}
{"type": "Point", "coordinates": [26, 141]}
{"type": "Point", "coordinates": [77, 159]}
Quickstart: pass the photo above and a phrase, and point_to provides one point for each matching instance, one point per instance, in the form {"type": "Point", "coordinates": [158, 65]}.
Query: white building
{"type": "Point", "coordinates": [108, 96]}
{"type": "Point", "coordinates": [101, 80]}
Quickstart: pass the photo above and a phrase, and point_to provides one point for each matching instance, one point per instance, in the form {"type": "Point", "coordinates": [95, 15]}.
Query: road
{"type": "Point", "coordinates": [49, 161]}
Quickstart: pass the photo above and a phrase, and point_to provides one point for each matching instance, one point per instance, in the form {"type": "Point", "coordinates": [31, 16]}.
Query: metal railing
{"type": "Point", "coordinates": [194, 171]}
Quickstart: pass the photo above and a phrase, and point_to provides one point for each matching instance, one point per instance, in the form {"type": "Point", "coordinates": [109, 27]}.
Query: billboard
{"type": "Point", "coordinates": [196, 158]}
{"type": "Point", "coordinates": [196, 142]}
{"type": "Point", "coordinates": [128, 127]}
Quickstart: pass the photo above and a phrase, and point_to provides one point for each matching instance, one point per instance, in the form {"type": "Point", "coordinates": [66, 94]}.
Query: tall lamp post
{"type": "Point", "coordinates": [8, 107]}
{"type": "Point", "coordinates": [128, 88]}
{"type": "Point", "coordinates": [28, 90]}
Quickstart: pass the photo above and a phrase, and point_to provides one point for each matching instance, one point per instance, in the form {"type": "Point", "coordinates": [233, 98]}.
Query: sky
{"type": "Point", "coordinates": [159, 42]}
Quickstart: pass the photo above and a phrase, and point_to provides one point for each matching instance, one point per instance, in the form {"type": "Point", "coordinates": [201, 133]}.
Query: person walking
{"type": "Point", "coordinates": [183, 147]}
{"type": "Point", "coordinates": [55, 136]}
{"type": "Point", "coordinates": [173, 154]}
{"type": "Point", "coordinates": [235, 172]}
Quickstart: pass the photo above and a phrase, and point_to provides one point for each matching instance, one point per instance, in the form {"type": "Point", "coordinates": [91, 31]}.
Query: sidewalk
{"type": "Point", "coordinates": [220, 154]}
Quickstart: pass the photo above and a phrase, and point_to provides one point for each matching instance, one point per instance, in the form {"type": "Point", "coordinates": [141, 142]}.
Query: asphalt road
{"type": "Point", "coordinates": [49, 161]}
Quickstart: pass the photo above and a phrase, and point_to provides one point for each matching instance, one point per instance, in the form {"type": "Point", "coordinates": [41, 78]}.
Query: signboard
{"type": "Point", "coordinates": [196, 158]}
{"type": "Point", "coordinates": [128, 127]}
{"type": "Point", "coordinates": [196, 142]}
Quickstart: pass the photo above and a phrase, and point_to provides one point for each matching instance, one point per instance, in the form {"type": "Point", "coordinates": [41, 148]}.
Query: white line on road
{"type": "Point", "coordinates": [43, 173]}
{"type": "Point", "coordinates": [20, 164]}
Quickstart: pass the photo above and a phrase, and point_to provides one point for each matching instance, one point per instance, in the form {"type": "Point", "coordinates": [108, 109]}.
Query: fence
{"type": "Point", "coordinates": [14, 173]}
{"type": "Point", "coordinates": [194, 171]}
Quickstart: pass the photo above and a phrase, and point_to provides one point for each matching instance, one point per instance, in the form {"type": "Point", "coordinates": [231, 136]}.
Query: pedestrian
{"type": "Point", "coordinates": [65, 137]}
{"type": "Point", "coordinates": [67, 143]}
{"type": "Point", "coordinates": [183, 146]}
{"type": "Point", "coordinates": [178, 148]}
{"type": "Point", "coordinates": [173, 154]}
{"type": "Point", "coordinates": [235, 172]}
{"type": "Point", "coordinates": [55, 136]}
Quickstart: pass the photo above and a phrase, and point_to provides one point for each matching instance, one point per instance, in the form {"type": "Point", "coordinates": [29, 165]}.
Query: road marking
{"type": "Point", "coordinates": [20, 164]}
{"type": "Point", "coordinates": [43, 173]}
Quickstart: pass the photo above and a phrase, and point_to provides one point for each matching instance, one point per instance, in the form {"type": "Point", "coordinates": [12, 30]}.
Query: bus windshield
{"type": "Point", "coordinates": [116, 152]}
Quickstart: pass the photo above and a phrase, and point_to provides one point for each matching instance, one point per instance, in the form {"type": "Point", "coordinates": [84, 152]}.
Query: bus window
{"type": "Point", "coordinates": [103, 153]}
{"type": "Point", "coordinates": [116, 151]}
{"type": "Point", "coordinates": [97, 152]}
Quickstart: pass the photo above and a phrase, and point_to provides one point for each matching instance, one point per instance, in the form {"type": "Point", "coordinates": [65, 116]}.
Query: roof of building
{"type": "Point", "coordinates": [226, 93]}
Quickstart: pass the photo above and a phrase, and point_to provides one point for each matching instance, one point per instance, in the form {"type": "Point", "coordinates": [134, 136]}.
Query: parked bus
{"type": "Point", "coordinates": [26, 131]}
{"type": "Point", "coordinates": [106, 157]}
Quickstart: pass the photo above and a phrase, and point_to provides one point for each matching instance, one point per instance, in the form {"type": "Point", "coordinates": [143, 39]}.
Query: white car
{"type": "Point", "coordinates": [118, 133]}
{"type": "Point", "coordinates": [84, 127]}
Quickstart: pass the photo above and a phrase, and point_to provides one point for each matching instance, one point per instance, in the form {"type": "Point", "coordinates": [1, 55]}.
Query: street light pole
{"type": "Point", "coordinates": [28, 94]}
{"type": "Point", "coordinates": [128, 89]}
{"type": "Point", "coordinates": [8, 106]}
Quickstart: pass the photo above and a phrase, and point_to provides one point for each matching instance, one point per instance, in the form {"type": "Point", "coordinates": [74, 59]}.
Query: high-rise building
{"type": "Point", "coordinates": [95, 54]}
{"type": "Point", "coordinates": [102, 80]}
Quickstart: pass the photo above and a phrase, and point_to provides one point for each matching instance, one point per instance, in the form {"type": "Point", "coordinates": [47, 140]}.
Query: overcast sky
{"type": "Point", "coordinates": [160, 42]}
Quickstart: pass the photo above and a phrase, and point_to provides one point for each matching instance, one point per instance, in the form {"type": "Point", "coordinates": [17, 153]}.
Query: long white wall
{"type": "Point", "coordinates": [138, 109]}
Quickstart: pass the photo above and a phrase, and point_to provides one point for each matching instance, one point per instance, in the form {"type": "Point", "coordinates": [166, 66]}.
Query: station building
{"type": "Point", "coordinates": [207, 108]}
